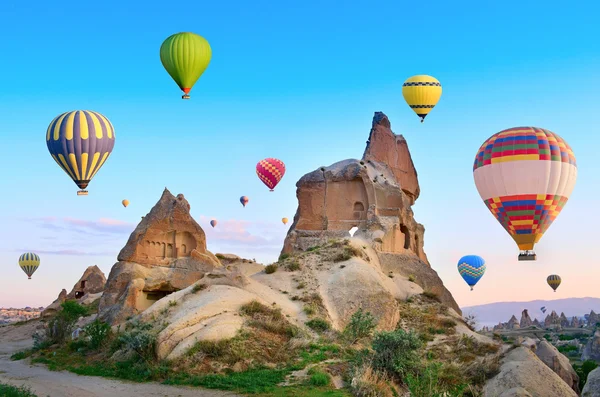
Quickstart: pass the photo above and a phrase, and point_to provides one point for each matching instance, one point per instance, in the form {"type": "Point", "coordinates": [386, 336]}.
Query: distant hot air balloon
{"type": "Point", "coordinates": [270, 171]}
{"type": "Point", "coordinates": [284, 220]}
{"type": "Point", "coordinates": [29, 262]}
{"type": "Point", "coordinates": [185, 56]}
{"type": "Point", "coordinates": [553, 281]}
{"type": "Point", "coordinates": [422, 93]}
{"type": "Point", "coordinates": [543, 309]}
{"type": "Point", "coordinates": [244, 200]}
{"type": "Point", "coordinates": [125, 203]}
{"type": "Point", "coordinates": [525, 176]}
{"type": "Point", "coordinates": [213, 222]}
{"type": "Point", "coordinates": [471, 268]}
{"type": "Point", "coordinates": [80, 142]}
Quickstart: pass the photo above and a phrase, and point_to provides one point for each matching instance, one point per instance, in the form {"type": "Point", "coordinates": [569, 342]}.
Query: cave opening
{"type": "Point", "coordinates": [406, 233]}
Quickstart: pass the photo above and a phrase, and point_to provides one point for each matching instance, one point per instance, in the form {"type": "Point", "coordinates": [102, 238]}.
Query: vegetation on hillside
{"type": "Point", "coordinates": [15, 391]}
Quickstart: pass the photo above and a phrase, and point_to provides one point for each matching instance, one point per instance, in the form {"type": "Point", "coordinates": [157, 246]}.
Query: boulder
{"type": "Point", "coordinates": [91, 282]}
{"type": "Point", "coordinates": [592, 386]}
{"type": "Point", "coordinates": [374, 195]}
{"type": "Point", "coordinates": [522, 370]}
{"type": "Point", "coordinates": [56, 305]}
{"type": "Point", "coordinates": [558, 363]}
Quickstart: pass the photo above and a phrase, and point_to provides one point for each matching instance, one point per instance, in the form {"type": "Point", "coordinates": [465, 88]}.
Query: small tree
{"type": "Point", "coordinates": [61, 326]}
{"type": "Point", "coordinates": [361, 325]}
{"type": "Point", "coordinates": [396, 352]}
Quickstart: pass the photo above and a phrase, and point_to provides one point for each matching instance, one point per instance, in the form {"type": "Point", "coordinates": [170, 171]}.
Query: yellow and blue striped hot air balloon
{"type": "Point", "coordinates": [29, 262]}
{"type": "Point", "coordinates": [554, 281]}
{"type": "Point", "coordinates": [422, 93]}
{"type": "Point", "coordinates": [471, 269]}
{"type": "Point", "coordinates": [80, 142]}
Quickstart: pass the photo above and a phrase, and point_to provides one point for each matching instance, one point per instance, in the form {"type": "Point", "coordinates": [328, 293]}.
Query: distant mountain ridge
{"type": "Point", "coordinates": [492, 313]}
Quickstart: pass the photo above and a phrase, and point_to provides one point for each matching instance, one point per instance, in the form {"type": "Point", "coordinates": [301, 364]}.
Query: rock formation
{"type": "Point", "coordinates": [513, 323]}
{"type": "Point", "coordinates": [55, 306]}
{"type": "Point", "coordinates": [525, 319]}
{"type": "Point", "coordinates": [593, 319]}
{"type": "Point", "coordinates": [575, 323]}
{"type": "Point", "coordinates": [375, 195]}
{"type": "Point", "coordinates": [592, 386]}
{"type": "Point", "coordinates": [564, 321]}
{"type": "Point", "coordinates": [558, 363]}
{"type": "Point", "coordinates": [537, 323]}
{"type": "Point", "coordinates": [91, 282]}
{"type": "Point", "coordinates": [165, 253]}
{"type": "Point", "coordinates": [591, 351]}
{"type": "Point", "coordinates": [552, 320]}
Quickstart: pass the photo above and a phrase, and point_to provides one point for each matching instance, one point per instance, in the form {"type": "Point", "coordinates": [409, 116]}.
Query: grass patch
{"type": "Point", "coordinates": [199, 287]}
{"type": "Point", "coordinates": [318, 324]}
{"type": "Point", "coordinates": [293, 266]}
{"type": "Point", "coordinates": [431, 295]}
{"type": "Point", "coordinates": [318, 377]}
{"type": "Point", "coordinates": [301, 285]}
{"type": "Point", "coordinates": [15, 391]}
{"type": "Point", "coordinates": [347, 253]}
{"type": "Point", "coordinates": [283, 257]}
{"type": "Point", "coordinates": [411, 278]}
{"type": "Point", "coordinates": [21, 355]}
{"type": "Point", "coordinates": [272, 268]}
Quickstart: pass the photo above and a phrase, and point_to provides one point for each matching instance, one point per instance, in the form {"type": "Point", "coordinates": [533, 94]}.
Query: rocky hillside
{"type": "Point", "coordinates": [366, 315]}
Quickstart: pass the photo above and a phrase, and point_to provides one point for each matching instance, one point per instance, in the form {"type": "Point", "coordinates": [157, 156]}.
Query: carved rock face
{"type": "Point", "coordinates": [91, 282]}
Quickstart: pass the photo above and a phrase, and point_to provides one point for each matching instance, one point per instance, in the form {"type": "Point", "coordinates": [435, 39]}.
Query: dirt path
{"type": "Point", "coordinates": [66, 384]}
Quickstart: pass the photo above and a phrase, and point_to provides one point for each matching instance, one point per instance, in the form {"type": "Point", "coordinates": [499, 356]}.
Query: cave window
{"type": "Point", "coordinates": [406, 233]}
{"type": "Point", "coordinates": [417, 245]}
{"type": "Point", "coordinates": [78, 294]}
{"type": "Point", "coordinates": [83, 284]}
{"type": "Point", "coordinates": [163, 250]}
{"type": "Point", "coordinates": [183, 249]}
{"type": "Point", "coordinates": [169, 250]}
{"type": "Point", "coordinates": [358, 206]}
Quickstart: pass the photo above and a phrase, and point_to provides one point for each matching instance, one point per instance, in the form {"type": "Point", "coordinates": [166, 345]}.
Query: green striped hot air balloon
{"type": "Point", "coordinates": [29, 262]}
{"type": "Point", "coordinates": [185, 56]}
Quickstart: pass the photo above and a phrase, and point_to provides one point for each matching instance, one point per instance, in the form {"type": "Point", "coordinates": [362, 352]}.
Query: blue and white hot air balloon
{"type": "Point", "coordinates": [471, 268]}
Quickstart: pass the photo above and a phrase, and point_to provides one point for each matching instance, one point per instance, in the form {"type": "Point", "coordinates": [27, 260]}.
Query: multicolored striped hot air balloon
{"type": "Point", "coordinates": [525, 176]}
{"type": "Point", "coordinates": [29, 262]}
{"type": "Point", "coordinates": [213, 222]}
{"type": "Point", "coordinates": [80, 142]}
{"type": "Point", "coordinates": [553, 281]}
{"type": "Point", "coordinates": [270, 171]}
{"type": "Point", "coordinates": [185, 56]}
{"type": "Point", "coordinates": [422, 93]}
{"type": "Point", "coordinates": [471, 269]}
{"type": "Point", "coordinates": [244, 200]}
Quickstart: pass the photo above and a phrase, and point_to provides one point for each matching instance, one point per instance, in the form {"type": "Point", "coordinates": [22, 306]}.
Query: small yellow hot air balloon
{"type": "Point", "coordinates": [29, 262]}
{"type": "Point", "coordinates": [125, 203]}
{"type": "Point", "coordinates": [284, 220]}
{"type": "Point", "coordinates": [422, 93]}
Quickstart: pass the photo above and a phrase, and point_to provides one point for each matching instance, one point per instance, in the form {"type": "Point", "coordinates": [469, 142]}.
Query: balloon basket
{"type": "Point", "coordinates": [82, 193]}
{"type": "Point", "coordinates": [527, 256]}
{"type": "Point", "coordinates": [186, 96]}
{"type": "Point", "coordinates": [271, 190]}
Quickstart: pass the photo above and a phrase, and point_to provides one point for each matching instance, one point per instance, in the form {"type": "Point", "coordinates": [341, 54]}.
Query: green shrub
{"type": "Point", "coordinates": [199, 287]}
{"type": "Point", "coordinates": [396, 352]}
{"type": "Point", "coordinates": [318, 324]}
{"type": "Point", "coordinates": [61, 326]}
{"type": "Point", "coordinates": [427, 383]}
{"type": "Point", "coordinates": [272, 268]}
{"type": "Point", "coordinates": [411, 278]}
{"type": "Point", "coordinates": [293, 266]}
{"type": "Point", "coordinates": [431, 295]}
{"type": "Point", "coordinates": [318, 377]}
{"type": "Point", "coordinates": [283, 257]}
{"type": "Point", "coordinates": [15, 391]}
{"type": "Point", "coordinates": [583, 370]}
{"type": "Point", "coordinates": [140, 340]}
{"type": "Point", "coordinates": [98, 332]}
{"type": "Point", "coordinates": [361, 325]}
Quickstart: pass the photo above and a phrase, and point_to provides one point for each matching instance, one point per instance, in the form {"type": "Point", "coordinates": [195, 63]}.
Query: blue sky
{"type": "Point", "coordinates": [299, 83]}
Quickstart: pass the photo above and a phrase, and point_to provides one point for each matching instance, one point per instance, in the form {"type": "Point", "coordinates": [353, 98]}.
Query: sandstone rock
{"type": "Point", "coordinates": [521, 368]}
{"type": "Point", "coordinates": [88, 299]}
{"type": "Point", "coordinates": [593, 319]}
{"type": "Point", "coordinates": [575, 323]}
{"type": "Point", "coordinates": [564, 322]}
{"type": "Point", "coordinates": [165, 253]}
{"type": "Point", "coordinates": [513, 323]}
{"type": "Point", "coordinates": [375, 195]}
{"type": "Point", "coordinates": [530, 343]}
{"type": "Point", "coordinates": [91, 282]}
{"type": "Point", "coordinates": [558, 363]}
{"type": "Point", "coordinates": [388, 148]}
{"type": "Point", "coordinates": [56, 305]}
{"type": "Point", "coordinates": [592, 386]}
{"type": "Point", "coordinates": [537, 323]}
{"type": "Point", "coordinates": [552, 320]}
{"type": "Point", "coordinates": [591, 351]}
{"type": "Point", "coordinates": [525, 320]}
{"type": "Point", "coordinates": [516, 392]}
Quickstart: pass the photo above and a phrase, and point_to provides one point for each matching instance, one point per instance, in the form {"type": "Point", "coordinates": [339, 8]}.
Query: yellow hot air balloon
{"type": "Point", "coordinates": [29, 262]}
{"type": "Point", "coordinates": [185, 56]}
{"type": "Point", "coordinates": [553, 281]}
{"type": "Point", "coordinates": [284, 220]}
{"type": "Point", "coordinates": [422, 93]}
{"type": "Point", "coordinates": [125, 203]}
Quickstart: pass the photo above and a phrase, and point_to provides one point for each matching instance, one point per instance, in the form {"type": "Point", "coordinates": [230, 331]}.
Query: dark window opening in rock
{"type": "Point", "coordinates": [163, 250]}
{"type": "Point", "coordinates": [417, 249]}
{"type": "Point", "coordinates": [78, 294]}
{"type": "Point", "coordinates": [406, 233]}
{"type": "Point", "coordinates": [156, 295]}
{"type": "Point", "coordinates": [169, 250]}
{"type": "Point", "coordinates": [358, 206]}
{"type": "Point", "coordinates": [83, 284]}
{"type": "Point", "coordinates": [183, 249]}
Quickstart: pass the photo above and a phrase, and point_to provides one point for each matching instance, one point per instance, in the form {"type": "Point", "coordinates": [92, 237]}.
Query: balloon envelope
{"type": "Point", "coordinates": [471, 268]}
{"type": "Point", "coordinates": [553, 281]}
{"type": "Point", "coordinates": [525, 176]}
{"type": "Point", "coordinates": [125, 203]}
{"type": "Point", "coordinates": [270, 171]}
{"type": "Point", "coordinates": [284, 220]}
{"type": "Point", "coordinates": [185, 56]}
{"type": "Point", "coordinates": [244, 200]}
{"type": "Point", "coordinates": [213, 223]}
{"type": "Point", "coordinates": [29, 262]}
{"type": "Point", "coordinates": [422, 93]}
{"type": "Point", "coordinates": [80, 142]}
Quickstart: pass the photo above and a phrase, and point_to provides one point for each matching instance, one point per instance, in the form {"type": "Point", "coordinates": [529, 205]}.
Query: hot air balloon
{"type": "Point", "coordinates": [543, 309]}
{"type": "Point", "coordinates": [80, 142]}
{"type": "Point", "coordinates": [244, 200]}
{"type": "Point", "coordinates": [125, 203]}
{"type": "Point", "coordinates": [29, 263]}
{"type": "Point", "coordinates": [270, 171]}
{"type": "Point", "coordinates": [213, 222]}
{"type": "Point", "coordinates": [422, 93]}
{"type": "Point", "coordinates": [471, 268]}
{"type": "Point", "coordinates": [525, 176]}
{"type": "Point", "coordinates": [553, 281]}
{"type": "Point", "coordinates": [185, 56]}
{"type": "Point", "coordinates": [284, 220]}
